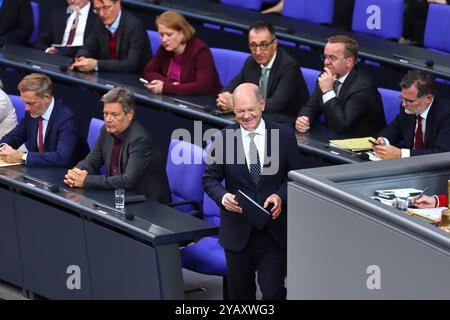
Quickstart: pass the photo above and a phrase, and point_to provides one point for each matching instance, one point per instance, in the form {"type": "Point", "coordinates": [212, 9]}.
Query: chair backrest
{"type": "Point", "coordinates": [310, 76]}
{"type": "Point", "coordinates": [18, 105]}
{"type": "Point", "coordinates": [153, 37]}
{"type": "Point", "coordinates": [247, 4]}
{"type": "Point", "coordinates": [379, 18]}
{"type": "Point", "coordinates": [437, 28]}
{"type": "Point", "coordinates": [391, 103]}
{"type": "Point", "coordinates": [317, 11]}
{"type": "Point", "coordinates": [228, 63]}
{"type": "Point", "coordinates": [35, 7]}
{"type": "Point", "coordinates": [185, 167]}
{"type": "Point", "coordinates": [94, 131]}
{"type": "Point", "coordinates": [211, 211]}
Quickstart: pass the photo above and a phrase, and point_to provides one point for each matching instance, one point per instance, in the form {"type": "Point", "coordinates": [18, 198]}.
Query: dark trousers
{"type": "Point", "coordinates": [414, 20]}
{"type": "Point", "coordinates": [260, 254]}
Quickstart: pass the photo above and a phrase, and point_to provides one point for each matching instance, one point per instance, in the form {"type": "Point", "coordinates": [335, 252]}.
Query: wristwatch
{"type": "Point", "coordinates": [24, 158]}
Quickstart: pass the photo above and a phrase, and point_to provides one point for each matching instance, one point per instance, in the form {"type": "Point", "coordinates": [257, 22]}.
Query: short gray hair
{"type": "Point", "coordinates": [121, 95]}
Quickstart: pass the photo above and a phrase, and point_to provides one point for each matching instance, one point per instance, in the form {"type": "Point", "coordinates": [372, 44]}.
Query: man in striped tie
{"type": "Point", "coordinates": [423, 124]}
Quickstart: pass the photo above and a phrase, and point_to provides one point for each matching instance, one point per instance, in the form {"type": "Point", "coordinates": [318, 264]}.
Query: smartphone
{"type": "Point", "coordinates": [143, 80]}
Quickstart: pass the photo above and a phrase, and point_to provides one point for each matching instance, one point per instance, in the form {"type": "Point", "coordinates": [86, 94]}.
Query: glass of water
{"type": "Point", "coordinates": [119, 195]}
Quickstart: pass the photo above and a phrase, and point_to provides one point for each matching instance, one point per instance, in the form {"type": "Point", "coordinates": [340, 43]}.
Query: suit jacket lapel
{"type": "Point", "coordinates": [53, 115]}
{"type": "Point", "coordinates": [108, 152]}
{"type": "Point", "coordinates": [273, 72]}
{"type": "Point", "coordinates": [242, 168]}
{"type": "Point", "coordinates": [34, 134]}
{"type": "Point", "coordinates": [120, 31]}
{"type": "Point", "coordinates": [345, 88]}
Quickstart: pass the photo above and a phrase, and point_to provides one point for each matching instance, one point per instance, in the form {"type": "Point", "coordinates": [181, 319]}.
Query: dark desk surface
{"type": "Point", "coordinates": [154, 222]}
{"type": "Point", "coordinates": [376, 49]}
{"type": "Point", "coordinates": [195, 108]}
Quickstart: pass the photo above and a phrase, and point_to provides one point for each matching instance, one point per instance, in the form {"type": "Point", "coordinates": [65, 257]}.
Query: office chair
{"type": "Point", "coordinates": [391, 103]}
{"type": "Point", "coordinates": [310, 76]}
{"type": "Point", "coordinates": [318, 11]}
{"type": "Point", "coordinates": [94, 131]}
{"type": "Point", "coordinates": [18, 105]}
{"type": "Point", "coordinates": [437, 28]}
{"type": "Point", "coordinates": [185, 169]}
{"type": "Point", "coordinates": [391, 16]}
{"type": "Point", "coordinates": [35, 8]}
{"type": "Point", "coordinates": [228, 63]}
{"type": "Point", "coordinates": [153, 37]}
{"type": "Point", "coordinates": [247, 4]}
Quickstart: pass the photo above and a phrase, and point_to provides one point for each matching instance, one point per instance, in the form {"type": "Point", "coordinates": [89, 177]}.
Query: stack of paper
{"type": "Point", "coordinates": [357, 144]}
{"type": "Point", "coordinates": [431, 214]}
{"type": "Point", "coordinates": [392, 193]}
{"type": "Point", "coordinates": [6, 164]}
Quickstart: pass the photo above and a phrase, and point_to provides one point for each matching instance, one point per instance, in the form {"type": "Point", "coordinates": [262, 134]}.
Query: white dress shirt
{"type": "Point", "coordinates": [79, 33]}
{"type": "Point", "coordinates": [8, 119]}
{"type": "Point", "coordinates": [331, 94]}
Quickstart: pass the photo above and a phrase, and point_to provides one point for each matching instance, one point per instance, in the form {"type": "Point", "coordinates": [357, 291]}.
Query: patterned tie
{"type": "Point", "coordinates": [418, 141]}
{"type": "Point", "coordinates": [73, 29]}
{"type": "Point", "coordinates": [337, 87]}
{"type": "Point", "coordinates": [263, 80]}
{"type": "Point", "coordinates": [255, 164]}
{"type": "Point", "coordinates": [40, 136]}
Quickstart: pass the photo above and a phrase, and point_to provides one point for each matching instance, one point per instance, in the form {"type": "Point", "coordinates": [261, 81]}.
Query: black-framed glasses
{"type": "Point", "coordinates": [331, 58]}
{"type": "Point", "coordinates": [263, 45]}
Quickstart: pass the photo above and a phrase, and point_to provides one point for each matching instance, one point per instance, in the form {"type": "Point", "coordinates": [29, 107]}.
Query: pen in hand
{"type": "Point", "coordinates": [421, 194]}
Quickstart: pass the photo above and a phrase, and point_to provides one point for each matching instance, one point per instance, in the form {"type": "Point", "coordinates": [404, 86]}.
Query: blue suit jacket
{"type": "Point", "coordinates": [401, 131]}
{"type": "Point", "coordinates": [63, 146]}
{"type": "Point", "coordinates": [234, 228]}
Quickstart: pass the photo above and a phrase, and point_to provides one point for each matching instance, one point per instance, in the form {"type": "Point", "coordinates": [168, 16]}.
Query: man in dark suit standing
{"type": "Point", "coordinates": [423, 124]}
{"type": "Point", "coordinates": [347, 97]}
{"type": "Point", "coordinates": [16, 21]}
{"type": "Point", "coordinates": [131, 156]}
{"type": "Point", "coordinates": [67, 27]}
{"type": "Point", "coordinates": [276, 73]}
{"type": "Point", "coordinates": [49, 130]}
{"type": "Point", "coordinates": [255, 157]}
{"type": "Point", "coordinates": [118, 41]}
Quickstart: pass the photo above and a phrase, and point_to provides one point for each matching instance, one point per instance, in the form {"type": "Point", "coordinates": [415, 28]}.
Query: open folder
{"type": "Point", "coordinates": [252, 211]}
{"type": "Point", "coordinates": [355, 144]}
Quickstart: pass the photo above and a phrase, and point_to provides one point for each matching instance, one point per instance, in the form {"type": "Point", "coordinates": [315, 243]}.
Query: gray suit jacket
{"type": "Point", "coordinates": [132, 47]}
{"type": "Point", "coordinates": [141, 164]}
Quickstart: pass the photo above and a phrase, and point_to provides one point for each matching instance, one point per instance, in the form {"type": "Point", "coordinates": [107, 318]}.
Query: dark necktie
{"type": "Point", "coordinates": [40, 136]}
{"type": "Point", "coordinates": [418, 141]}
{"type": "Point", "coordinates": [337, 87]}
{"type": "Point", "coordinates": [255, 164]}
{"type": "Point", "coordinates": [73, 29]}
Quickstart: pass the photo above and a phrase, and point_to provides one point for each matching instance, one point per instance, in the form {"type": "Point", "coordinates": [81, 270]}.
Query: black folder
{"type": "Point", "coordinates": [252, 211]}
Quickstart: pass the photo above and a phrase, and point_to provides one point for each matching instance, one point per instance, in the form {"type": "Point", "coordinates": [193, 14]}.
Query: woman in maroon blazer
{"type": "Point", "coordinates": [183, 64]}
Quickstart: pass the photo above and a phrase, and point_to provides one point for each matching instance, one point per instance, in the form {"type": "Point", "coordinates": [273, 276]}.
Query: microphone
{"type": "Point", "coordinates": [429, 63]}
{"type": "Point", "coordinates": [63, 68]}
{"type": "Point", "coordinates": [129, 216]}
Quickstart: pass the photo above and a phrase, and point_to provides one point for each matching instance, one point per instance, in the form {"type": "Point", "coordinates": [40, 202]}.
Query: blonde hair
{"type": "Point", "coordinates": [176, 21]}
{"type": "Point", "coordinates": [41, 84]}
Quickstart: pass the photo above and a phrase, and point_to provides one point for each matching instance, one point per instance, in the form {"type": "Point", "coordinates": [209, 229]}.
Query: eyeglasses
{"type": "Point", "coordinates": [104, 9]}
{"type": "Point", "coordinates": [263, 45]}
{"type": "Point", "coordinates": [332, 59]}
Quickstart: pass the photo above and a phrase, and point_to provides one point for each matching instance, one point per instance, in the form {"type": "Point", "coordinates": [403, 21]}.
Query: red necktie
{"type": "Point", "coordinates": [40, 137]}
{"type": "Point", "coordinates": [418, 141]}
{"type": "Point", "coordinates": [73, 29]}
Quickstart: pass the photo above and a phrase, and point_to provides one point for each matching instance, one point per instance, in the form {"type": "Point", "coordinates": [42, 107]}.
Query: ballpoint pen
{"type": "Point", "coordinates": [422, 193]}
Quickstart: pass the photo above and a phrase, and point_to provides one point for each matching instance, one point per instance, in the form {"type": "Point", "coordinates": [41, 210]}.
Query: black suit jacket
{"type": "Point", "coordinates": [133, 46]}
{"type": "Point", "coordinates": [234, 228]}
{"type": "Point", "coordinates": [357, 112]}
{"type": "Point", "coordinates": [53, 31]}
{"type": "Point", "coordinates": [16, 22]}
{"type": "Point", "coordinates": [141, 165]}
{"type": "Point", "coordinates": [286, 89]}
{"type": "Point", "coordinates": [401, 131]}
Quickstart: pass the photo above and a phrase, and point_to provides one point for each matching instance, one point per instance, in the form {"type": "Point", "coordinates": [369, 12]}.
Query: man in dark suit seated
{"type": "Point", "coordinates": [132, 158]}
{"type": "Point", "coordinates": [423, 124]}
{"type": "Point", "coordinates": [67, 27]}
{"type": "Point", "coordinates": [271, 68]}
{"type": "Point", "coordinates": [346, 96]}
{"type": "Point", "coordinates": [49, 130]}
{"type": "Point", "coordinates": [253, 156]}
{"type": "Point", "coordinates": [16, 21]}
{"type": "Point", "coordinates": [118, 41]}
